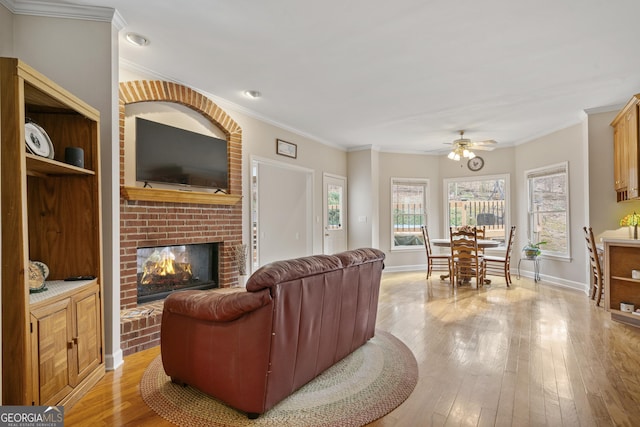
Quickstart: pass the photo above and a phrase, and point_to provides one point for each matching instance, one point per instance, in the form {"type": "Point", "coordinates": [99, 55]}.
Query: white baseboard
{"type": "Point", "coordinates": [405, 268]}
{"type": "Point", "coordinates": [113, 361]}
{"type": "Point", "coordinates": [546, 279]}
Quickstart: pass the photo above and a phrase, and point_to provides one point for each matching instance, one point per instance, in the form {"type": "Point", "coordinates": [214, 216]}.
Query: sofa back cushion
{"type": "Point", "coordinates": [282, 271]}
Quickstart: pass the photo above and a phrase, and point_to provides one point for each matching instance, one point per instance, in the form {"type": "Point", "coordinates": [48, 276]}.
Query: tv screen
{"type": "Point", "coordinates": [166, 154]}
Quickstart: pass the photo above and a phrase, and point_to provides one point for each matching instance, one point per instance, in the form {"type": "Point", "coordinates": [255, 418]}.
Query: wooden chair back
{"type": "Point", "coordinates": [512, 236]}
{"type": "Point", "coordinates": [427, 241]}
{"type": "Point", "coordinates": [467, 260]}
{"type": "Point", "coordinates": [596, 267]}
{"type": "Point", "coordinates": [481, 234]}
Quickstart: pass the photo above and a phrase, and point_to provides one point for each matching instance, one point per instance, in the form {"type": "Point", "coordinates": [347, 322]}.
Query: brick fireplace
{"type": "Point", "coordinates": [163, 223]}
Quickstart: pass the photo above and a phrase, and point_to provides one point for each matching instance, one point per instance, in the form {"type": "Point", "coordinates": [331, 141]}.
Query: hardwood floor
{"type": "Point", "coordinates": [532, 354]}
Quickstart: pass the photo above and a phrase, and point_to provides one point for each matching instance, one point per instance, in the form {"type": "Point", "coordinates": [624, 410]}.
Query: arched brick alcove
{"type": "Point", "coordinates": [144, 223]}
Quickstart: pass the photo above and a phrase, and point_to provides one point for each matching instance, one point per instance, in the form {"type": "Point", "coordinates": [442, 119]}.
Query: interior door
{"type": "Point", "coordinates": [335, 215]}
{"type": "Point", "coordinates": [282, 212]}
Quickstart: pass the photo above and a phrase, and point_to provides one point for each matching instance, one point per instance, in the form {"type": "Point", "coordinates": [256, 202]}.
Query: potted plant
{"type": "Point", "coordinates": [632, 221]}
{"type": "Point", "coordinates": [532, 250]}
{"type": "Point", "coordinates": [239, 256]}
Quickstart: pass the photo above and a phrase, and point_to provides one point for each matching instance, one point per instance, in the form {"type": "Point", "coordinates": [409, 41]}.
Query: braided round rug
{"type": "Point", "coordinates": [364, 386]}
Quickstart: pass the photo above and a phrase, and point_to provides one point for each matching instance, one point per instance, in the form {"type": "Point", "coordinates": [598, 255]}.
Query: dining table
{"type": "Point", "coordinates": [482, 244]}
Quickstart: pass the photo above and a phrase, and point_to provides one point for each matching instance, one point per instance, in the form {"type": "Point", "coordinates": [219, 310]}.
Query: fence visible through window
{"type": "Point", "coordinates": [408, 211]}
{"type": "Point", "coordinates": [489, 214]}
{"type": "Point", "coordinates": [478, 202]}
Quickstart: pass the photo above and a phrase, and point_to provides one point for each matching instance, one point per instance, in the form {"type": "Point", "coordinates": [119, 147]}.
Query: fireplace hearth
{"type": "Point", "coordinates": [162, 270]}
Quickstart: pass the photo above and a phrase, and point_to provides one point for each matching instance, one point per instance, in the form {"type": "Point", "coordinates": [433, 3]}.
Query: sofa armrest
{"type": "Point", "coordinates": [215, 306]}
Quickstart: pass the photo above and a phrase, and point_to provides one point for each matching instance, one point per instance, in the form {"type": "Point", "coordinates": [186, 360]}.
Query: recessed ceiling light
{"type": "Point", "coordinates": [137, 39]}
{"type": "Point", "coordinates": [252, 94]}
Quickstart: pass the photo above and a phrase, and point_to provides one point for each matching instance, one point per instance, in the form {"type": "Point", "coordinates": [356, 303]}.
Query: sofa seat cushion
{"type": "Point", "coordinates": [215, 306]}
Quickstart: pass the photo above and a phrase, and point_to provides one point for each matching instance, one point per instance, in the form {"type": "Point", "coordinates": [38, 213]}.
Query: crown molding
{"type": "Point", "coordinates": [604, 109]}
{"type": "Point", "coordinates": [70, 11]}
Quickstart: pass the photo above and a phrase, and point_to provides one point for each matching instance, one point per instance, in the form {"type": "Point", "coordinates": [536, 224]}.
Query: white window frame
{"type": "Point", "coordinates": [554, 169]}
{"type": "Point", "coordinates": [410, 181]}
{"type": "Point", "coordinates": [507, 198]}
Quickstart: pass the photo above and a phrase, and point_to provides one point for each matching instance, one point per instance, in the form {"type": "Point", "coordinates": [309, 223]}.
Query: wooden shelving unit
{"type": "Point", "coordinates": [52, 349]}
{"type": "Point", "coordinates": [621, 257]}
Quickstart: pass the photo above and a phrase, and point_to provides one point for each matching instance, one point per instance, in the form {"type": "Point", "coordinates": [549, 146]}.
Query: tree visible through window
{"type": "Point", "coordinates": [408, 212]}
{"type": "Point", "coordinates": [334, 207]}
{"type": "Point", "coordinates": [548, 190]}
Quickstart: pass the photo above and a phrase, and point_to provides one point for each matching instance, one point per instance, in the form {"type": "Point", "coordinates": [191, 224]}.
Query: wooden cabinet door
{"type": "Point", "coordinates": [53, 327]}
{"type": "Point", "coordinates": [87, 337]}
{"type": "Point", "coordinates": [617, 167]}
{"type": "Point", "coordinates": [620, 161]}
{"type": "Point", "coordinates": [631, 127]}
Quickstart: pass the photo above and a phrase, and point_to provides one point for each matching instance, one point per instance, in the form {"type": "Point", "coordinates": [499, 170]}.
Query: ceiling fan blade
{"type": "Point", "coordinates": [482, 147]}
{"type": "Point", "coordinates": [487, 142]}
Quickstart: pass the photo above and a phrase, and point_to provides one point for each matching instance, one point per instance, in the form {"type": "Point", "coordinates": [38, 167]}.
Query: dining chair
{"type": "Point", "coordinates": [467, 262]}
{"type": "Point", "coordinates": [434, 260]}
{"type": "Point", "coordinates": [597, 287]}
{"type": "Point", "coordinates": [501, 265]}
{"type": "Point", "coordinates": [481, 234]}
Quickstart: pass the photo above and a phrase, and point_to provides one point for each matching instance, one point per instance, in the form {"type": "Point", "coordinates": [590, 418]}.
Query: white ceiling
{"type": "Point", "coordinates": [403, 75]}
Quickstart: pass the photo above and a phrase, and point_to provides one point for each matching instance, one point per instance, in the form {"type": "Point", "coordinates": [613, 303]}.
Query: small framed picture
{"type": "Point", "coordinates": [285, 148]}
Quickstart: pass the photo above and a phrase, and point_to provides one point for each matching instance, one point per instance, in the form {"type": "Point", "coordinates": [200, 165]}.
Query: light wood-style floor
{"type": "Point", "coordinates": [530, 355]}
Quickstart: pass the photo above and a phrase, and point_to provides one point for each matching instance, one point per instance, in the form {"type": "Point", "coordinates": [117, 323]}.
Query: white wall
{"type": "Point", "coordinates": [6, 32]}
{"type": "Point", "coordinates": [408, 166]}
{"type": "Point", "coordinates": [564, 145]}
{"type": "Point", "coordinates": [363, 207]}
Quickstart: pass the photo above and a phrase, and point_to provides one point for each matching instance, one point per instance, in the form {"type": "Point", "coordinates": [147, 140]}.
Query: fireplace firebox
{"type": "Point", "coordinates": [162, 270]}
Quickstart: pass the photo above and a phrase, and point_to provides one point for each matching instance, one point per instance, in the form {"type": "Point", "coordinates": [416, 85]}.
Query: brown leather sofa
{"type": "Point", "coordinates": [296, 318]}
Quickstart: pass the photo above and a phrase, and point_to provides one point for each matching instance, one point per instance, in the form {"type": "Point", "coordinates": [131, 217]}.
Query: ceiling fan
{"type": "Point", "coordinates": [462, 147]}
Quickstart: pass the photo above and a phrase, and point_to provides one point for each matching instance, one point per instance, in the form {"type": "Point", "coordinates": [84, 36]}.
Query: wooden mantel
{"type": "Point", "coordinates": [177, 196]}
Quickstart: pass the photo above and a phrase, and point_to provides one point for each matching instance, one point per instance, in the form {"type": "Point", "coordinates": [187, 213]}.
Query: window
{"type": "Point", "coordinates": [478, 201]}
{"type": "Point", "coordinates": [548, 193]}
{"type": "Point", "coordinates": [334, 207]}
{"type": "Point", "coordinates": [408, 212]}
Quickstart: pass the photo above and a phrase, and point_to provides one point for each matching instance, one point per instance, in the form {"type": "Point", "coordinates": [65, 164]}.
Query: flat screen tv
{"type": "Point", "coordinates": [170, 155]}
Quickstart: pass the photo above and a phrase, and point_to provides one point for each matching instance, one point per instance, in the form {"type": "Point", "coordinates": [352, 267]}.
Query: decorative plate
{"type": "Point", "coordinates": [36, 276]}
{"type": "Point", "coordinates": [43, 267]}
{"type": "Point", "coordinates": [37, 140]}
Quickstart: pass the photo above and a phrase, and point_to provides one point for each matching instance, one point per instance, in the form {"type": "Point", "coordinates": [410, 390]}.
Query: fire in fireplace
{"type": "Point", "coordinates": [165, 269]}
